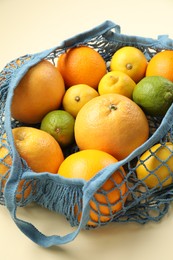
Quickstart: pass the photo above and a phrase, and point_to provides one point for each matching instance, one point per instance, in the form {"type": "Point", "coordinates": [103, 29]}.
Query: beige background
{"type": "Point", "coordinates": [36, 25]}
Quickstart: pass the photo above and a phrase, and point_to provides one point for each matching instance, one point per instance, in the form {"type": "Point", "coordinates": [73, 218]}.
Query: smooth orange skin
{"type": "Point", "coordinates": [161, 64]}
{"type": "Point", "coordinates": [81, 65]}
{"type": "Point", "coordinates": [40, 91]}
{"type": "Point", "coordinates": [86, 164]}
{"type": "Point", "coordinates": [112, 123]}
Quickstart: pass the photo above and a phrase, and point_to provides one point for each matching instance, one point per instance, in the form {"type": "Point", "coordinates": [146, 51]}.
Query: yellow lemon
{"type": "Point", "coordinates": [130, 60]}
{"type": "Point", "coordinates": [116, 82]}
{"type": "Point", "coordinates": [76, 97]}
{"type": "Point", "coordinates": [155, 166]}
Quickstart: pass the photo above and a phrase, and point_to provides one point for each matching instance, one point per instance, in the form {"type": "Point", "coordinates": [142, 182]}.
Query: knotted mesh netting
{"type": "Point", "coordinates": [125, 199]}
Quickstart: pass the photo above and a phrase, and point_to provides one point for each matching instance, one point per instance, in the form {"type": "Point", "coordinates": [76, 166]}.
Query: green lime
{"type": "Point", "coordinates": [154, 94]}
{"type": "Point", "coordinates": [59, 124]}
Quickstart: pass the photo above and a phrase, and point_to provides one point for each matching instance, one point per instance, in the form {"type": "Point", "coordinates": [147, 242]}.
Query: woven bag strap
{"type": "Point", "coordinates": [89, 189]}
{"type": "Point", "coordinates": [162, 42]}
{"type": "Point", "coordinates": [11, 186]}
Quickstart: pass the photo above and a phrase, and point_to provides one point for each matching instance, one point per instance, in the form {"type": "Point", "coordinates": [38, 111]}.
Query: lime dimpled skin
{"type": "Point", "coordinates": [154, 94]}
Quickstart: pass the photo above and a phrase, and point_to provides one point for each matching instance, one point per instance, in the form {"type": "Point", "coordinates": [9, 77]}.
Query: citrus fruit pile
{"type": "Point", "coordinates": [102, 110]}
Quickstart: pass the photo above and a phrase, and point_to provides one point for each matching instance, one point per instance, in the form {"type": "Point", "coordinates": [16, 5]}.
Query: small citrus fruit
{"type": "Point", "coordinates": [161, 64]}
{"type": "Point", "coordinates": [76, 96]}
{"type": "Point", "coordinates": [39, 91]}
{"type": "Point", "coordinates": [115, 124]}
{"type": "Point", "coordinates": [155, 166]}
{"type": "Point", "coordinates": [60, 125]}
{"type": "Point", "coordinates": [110, 198]}
{"type": "Point", "coordinates": [116, 82]}
{"type": "Point", "coordinates": [131, 61]}
{"type": "Point", "coordinates": [154, 94]}
{"type": "Point", "coordinates": [81, 65]}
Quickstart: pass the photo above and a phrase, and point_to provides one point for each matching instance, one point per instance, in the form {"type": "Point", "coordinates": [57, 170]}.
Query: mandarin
{"type": "Point", "coordinates": [112, 123]}
{"type": "Point", "coordinates": [161, 64]}
{"type": "Point", "coordinates": [81, 65]}
{"type": "Point", "coordinates": [39, 91]}
{"type": "Point", "coordinates": [109, 198]}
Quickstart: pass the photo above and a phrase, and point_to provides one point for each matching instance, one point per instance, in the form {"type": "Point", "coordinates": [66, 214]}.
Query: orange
{"type": "Point", "coordinates": [81, 65]}
{"type": "Point", "coordinates": [161, 64]}
{"type": "Point", "coordinates": [39, 149]}
{"type": "Point", "coordinates": [39, 91]}
{"type": "Point", "coordinates": [116, 82]}
{"type": "Point", "coordinates": [109, 198]}
{"type": "Point", "coordinates": [76, 97]}
{"type": "Point", "coordinates": [112, 123]}
{"type": "Point", "coordinates": [131, 61]}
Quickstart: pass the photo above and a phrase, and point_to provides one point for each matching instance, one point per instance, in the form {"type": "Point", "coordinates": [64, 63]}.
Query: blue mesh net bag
{"type": "Point", "coordinates": [74, 198]}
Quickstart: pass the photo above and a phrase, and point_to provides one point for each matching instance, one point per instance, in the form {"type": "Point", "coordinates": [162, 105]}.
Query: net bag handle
{"type": "Point", "coordinates": [12, 183]}
{"type": "Point", "coordinates": [89, 189]}
{"type": "Point", "coordinates": [92, 186]}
